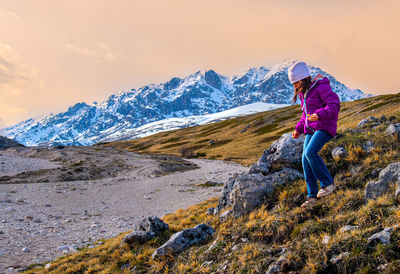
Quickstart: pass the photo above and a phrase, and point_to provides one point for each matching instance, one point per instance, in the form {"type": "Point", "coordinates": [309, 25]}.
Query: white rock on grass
{"type": "Point", "coordinates": [326, 240]}
{"type": "Point", "coordinates": [348, 228]}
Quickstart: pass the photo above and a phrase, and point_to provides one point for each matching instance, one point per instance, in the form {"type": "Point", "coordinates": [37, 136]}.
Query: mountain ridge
{"type": "Point", "coordinates": [200, 93]}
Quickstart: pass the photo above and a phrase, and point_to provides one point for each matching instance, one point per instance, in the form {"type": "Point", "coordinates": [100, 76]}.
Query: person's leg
{"type": "Point", "coordinates": [321, 172]}
{"type": "Point", "coordinates": [311, 181]}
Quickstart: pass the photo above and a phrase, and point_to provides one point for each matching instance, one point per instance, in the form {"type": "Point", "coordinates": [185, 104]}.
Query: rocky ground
{"type": "Point", "coordinates": [54, 201]}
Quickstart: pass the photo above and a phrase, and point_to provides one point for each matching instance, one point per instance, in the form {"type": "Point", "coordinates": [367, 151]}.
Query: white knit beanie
{"type": "Point", "coordinates": [298, 71]}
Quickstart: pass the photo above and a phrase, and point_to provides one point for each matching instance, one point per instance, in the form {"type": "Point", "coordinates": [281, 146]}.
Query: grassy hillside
{"type": "Point", "coordinates": [251, 243]}
{"type": "Point", "coordinates": [261, 129]}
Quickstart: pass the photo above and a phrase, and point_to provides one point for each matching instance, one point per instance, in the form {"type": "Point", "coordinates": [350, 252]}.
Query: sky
{"type": "Point", "coordinates": [54, 54]}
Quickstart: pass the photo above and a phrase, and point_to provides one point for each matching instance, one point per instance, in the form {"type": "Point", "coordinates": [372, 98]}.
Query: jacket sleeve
{"type": "Point", "coordinates": [331, 101]}
{"type": "Point", "coordinates": [300, 124]}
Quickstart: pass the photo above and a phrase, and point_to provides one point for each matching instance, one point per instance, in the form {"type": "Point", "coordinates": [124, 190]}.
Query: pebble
{"type": "Point", "coordinates": [26, 249]}
{"type": "Point", "coordinates": [326, 240]}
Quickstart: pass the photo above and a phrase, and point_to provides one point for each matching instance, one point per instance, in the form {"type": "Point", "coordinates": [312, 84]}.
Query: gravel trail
{"type": "Point", "coordinates": [42, 219]}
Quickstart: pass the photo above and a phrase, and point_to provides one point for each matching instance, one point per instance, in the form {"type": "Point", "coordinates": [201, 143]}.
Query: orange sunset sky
{"type": "Point", "coordinates": [54, 54]}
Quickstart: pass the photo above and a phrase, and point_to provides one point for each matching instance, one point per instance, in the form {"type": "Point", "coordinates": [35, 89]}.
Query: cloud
{"type": "Point", "coordinates": [8, 14]}
{"type": "Point", "coordinates": [12, 70]}
{"type": "Point", "coordinates": [99, 53]}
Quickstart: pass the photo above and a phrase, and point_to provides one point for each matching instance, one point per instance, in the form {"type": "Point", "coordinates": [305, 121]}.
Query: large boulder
{"type": "Point", "coordinates": [280, 163]}
{"type": "Point", "coordinates": [250, 189]}
{"type": "Point", "coordinates": [286, 151]}
{"type": "Point", "coordinates": [390, 174]}
{"type": "Point", "coordinates": [183, 239]}
{"type": "Point", "coordinates": [152, 223]}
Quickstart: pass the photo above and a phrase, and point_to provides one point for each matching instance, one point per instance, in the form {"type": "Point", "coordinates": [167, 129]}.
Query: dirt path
{"type": "Point", "coordinates": [41, 218]}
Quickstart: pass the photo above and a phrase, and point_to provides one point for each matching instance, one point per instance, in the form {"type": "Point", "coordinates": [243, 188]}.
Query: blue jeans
{"type": "Point", "coordinates": [313, 165]}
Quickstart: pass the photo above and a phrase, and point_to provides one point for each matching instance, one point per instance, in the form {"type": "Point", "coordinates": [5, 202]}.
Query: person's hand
{"type": "Point", "coordinates": [295, 134]}
{"type": "Point", "coordinates": [313, 117]}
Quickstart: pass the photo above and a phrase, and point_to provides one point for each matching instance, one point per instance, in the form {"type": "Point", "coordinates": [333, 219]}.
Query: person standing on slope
{"type": "Point", "coordinates": [321, 108]}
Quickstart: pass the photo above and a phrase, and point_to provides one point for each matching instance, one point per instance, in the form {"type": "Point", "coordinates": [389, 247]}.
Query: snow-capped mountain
{"type": "Point", "coordinates": [201, 93]}
{"type": "Point", "coordinates": [176, 123]}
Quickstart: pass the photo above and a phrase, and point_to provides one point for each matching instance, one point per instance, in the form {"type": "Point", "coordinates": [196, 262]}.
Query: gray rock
{"type": "Point", "coordinates": [348, 228]}
{"type": "Point", "coordinates": [370, 121]}
{"type": "Point", "coordinates": [250, 189]}
{"type": "Point", "coordinates": [153, 224]}
{"type": "Point", "coordinates": [212, 246]}
{"type": "Point", "coordinates": [326, 240]}
{"type": "Point", "coordinates": [336, 259]}
{"type": "Point", "coordinates": [383, 237]}
{"type": "Point", "coordinates": [339, 153]}
{"type": "Point", "coordinates": [224, 216]}
{"type": "Point", "coordinates": [363, 123]}
{"type": "Point", "coordinates": [389, 174]}
{"type": "Point", "coordinates": [224, 199]}
{"type": "Point", "coordinates": [394, 131]}
{"type": "Point", "coordinates": [184, 239]}
{"type": "Point", "coordinates": [276, 267]}
{"type": "Point", "coordinates": [210, 211]}
{"type": "Point", "coordinates": [375, 172]}
{"type": "Point", "coordinates": [368, 146]}
{"type": "Point", "coordinates": [286, 151]}
{"type": "Point", "coordinates": [63, 248]}
{"type": "Point", "coordinates": [147, 229]}
{"type": "Point", "coordinates": [26, 249]}
{"type": "Point", "coordinates": [125, 266]}
{"type": "Point", "coordinates": [138, 237]}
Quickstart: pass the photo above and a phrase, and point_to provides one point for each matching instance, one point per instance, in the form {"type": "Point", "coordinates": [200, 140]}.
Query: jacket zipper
{"type": "Point", "coordinates": [305, 107]}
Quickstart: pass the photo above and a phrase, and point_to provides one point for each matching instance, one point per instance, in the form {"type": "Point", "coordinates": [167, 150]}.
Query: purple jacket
{"type": "Point", "coordinates": [319, 99]}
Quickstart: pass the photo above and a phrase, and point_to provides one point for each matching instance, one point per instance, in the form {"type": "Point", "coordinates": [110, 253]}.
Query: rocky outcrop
{"type": "Point", "coordinates": [390, 174]}
{"type": "Point", "coordinates": [7, 143]}
{"type": "Point", "coordinates": [147, 229]}
{"type": "Point", "coordinates": [279, 164]}
{"type": "Point", "coordinates": [183, 239]}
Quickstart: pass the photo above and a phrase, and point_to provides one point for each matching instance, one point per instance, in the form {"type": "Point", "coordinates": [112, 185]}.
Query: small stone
{"type": "Point", "coordinates": [224, 216]}
{"type": "Point", "coordinates": [349, 228]}
{"type": "Point", "coordinates": [338, 258]}
{"type": "Point", "coordinates": [63, 248]}
{"type": "Point", "coordinates": [382, 267]}
{"type": "Point", "coordinates": [326, 240]}
{"type": "Point", "coordinates": [210, 211]}
{"type": "Point", "coordinates": [339, 153]}
{"type": "Point", "coordinates": [125, 266]}
{"type": "Point", "coordinates": [26, 249]}
{"type": "Point", "coordinates": [47, 266]}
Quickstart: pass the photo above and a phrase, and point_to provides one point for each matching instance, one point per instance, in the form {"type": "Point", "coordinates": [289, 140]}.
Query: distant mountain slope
{"type": "Point", "coordinates": [7, 143]}
{"type": "Point", "coordinates": [201, 93]}
{"type": "Point", "coordinates": [244, 138]}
